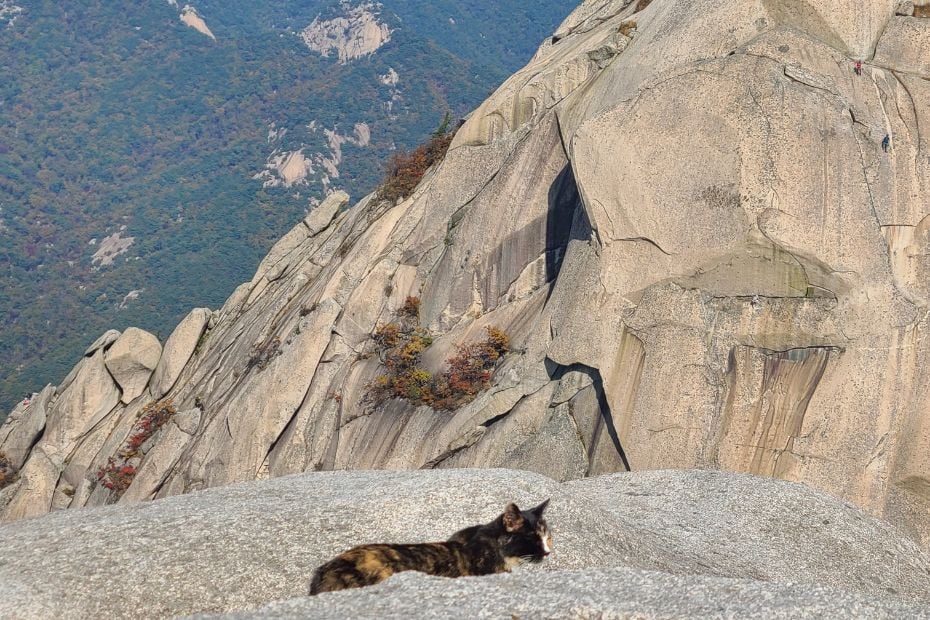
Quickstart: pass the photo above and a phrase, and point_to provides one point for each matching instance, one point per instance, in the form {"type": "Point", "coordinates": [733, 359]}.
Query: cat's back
{"type": "Point", "coordinates": [367, 565]}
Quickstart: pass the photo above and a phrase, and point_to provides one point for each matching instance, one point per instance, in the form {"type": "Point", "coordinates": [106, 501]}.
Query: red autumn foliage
{"type": "Point", "coordinates": [120, 470]}
{"type": "Point", "coordinates": [469, 371]}
{"type": "Point", "coordinates": [116, 476]}
{"type": "Point", "coordinates": [8, 473]}
{"type": "Point", "coordinates": [411, 308]}
{"type": "Point", "coordinates": [405, 170]}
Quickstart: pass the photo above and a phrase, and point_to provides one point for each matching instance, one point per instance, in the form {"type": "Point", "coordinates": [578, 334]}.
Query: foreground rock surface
{"type": "Point", "coordinates": [605, 594]}
{"type": "Point", "coordinates": [669, 541]}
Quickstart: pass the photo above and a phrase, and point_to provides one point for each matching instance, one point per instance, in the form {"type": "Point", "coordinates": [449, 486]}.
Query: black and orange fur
{"type": "Point", "coordinates": [512, 538]}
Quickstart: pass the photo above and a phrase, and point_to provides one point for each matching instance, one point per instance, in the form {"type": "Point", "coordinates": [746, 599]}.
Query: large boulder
{"type": "Point", "coordinates": [77, 409]}
{"type": "Point", "coordinates": [243, 546]}
{"type": "Point", "coordinates": [320, 217]}
{"type": "Point", "coordinates": [19, 432]}
{"type": "Point", "coordinates": [178, 350]}
{"type": "Point", "coordinates": [106, 339]}
{"type": "Point", "coordinates": [132, 360]}
{"type": "Point", "coordinates": [32, 493]}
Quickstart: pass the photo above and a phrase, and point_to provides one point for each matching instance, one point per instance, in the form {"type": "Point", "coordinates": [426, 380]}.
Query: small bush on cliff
{"type": "Point", "coordinates": [404, 169]}
{"type": "Point", "coordinates": [401, 346]}
{"type": "Point", "coordinates": [8, 473]}
{"type": "Point", "coordinates": [469, 371]}
{"type": "Point", "coordinates": [116, 475]}
{"type": "Point", "coordinates": [120, 470]}
{"type": "Point", "coordinates": [152, 417]}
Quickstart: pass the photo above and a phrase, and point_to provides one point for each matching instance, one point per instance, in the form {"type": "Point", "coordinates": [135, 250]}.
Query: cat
{"type": "Point", "coordinates": [515, 537]}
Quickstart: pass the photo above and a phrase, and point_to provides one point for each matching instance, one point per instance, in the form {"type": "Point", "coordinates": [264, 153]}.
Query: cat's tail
{"type": "Point", "coordinates": [317, 582]}
{"type": "Point", "coordinates": [339, 574]}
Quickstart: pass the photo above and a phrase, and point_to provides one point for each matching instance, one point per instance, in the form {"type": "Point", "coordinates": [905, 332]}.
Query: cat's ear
{"type": "Point", "coordinates": [540, 509]}
{"type": "Point", "coordinates": [513, 520]}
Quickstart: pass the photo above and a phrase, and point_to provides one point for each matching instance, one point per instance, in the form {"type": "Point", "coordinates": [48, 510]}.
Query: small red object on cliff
{"type": "Point", "coordinates": [858, 67]}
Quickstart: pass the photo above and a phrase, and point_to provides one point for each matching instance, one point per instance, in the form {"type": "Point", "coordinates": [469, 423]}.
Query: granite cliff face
{"type": "Point", "coordinates": [682, 214]}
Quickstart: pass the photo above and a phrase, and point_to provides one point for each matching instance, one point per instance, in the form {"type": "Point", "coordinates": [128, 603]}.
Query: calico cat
{"type": "Point", "coordinates": [516, 536]}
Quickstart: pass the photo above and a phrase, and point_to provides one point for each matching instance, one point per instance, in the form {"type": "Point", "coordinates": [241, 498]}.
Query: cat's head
{"type": "Point", "coordinates": [527, 537]}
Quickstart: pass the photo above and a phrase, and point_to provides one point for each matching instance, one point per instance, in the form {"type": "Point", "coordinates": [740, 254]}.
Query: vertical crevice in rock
{"type": "Point", "coordinates": [564, 201]}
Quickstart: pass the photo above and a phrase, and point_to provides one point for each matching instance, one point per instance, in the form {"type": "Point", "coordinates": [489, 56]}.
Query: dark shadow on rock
{"type": "Point", "coordinates": [564, 202]}
{"type": "Point", "coordinates": [606, 424]}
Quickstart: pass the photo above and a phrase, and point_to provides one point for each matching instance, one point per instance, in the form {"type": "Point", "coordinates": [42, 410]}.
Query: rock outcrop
{"type": "Point", "coordinates": [131, 361]}
{"type": "Point", "coordinates": [190, 17]}
{"type": "Point", "coordinates": [665, 542]}
{"type": "Point", "coordinates": [179, 347]}
{"type": "Point", "coordinates": [356, 33]}
{"type": "Point", "coordinates": [683, 217]}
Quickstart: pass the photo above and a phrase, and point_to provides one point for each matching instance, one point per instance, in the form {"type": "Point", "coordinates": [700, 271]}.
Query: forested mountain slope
{"type": "Point", "coordinates": [151, 152]}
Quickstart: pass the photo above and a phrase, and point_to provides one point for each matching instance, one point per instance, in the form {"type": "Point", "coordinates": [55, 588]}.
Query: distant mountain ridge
{"type": "Point", "coordinates": [191, 136]}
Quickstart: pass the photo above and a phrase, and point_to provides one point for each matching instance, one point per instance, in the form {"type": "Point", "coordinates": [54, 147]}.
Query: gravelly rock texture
{"type": "Point", "coordinates": [611, 593]}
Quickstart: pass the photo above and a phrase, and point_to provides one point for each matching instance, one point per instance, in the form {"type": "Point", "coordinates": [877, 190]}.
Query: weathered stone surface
{"type": "Point", "coordinates": [73, 421]}
{"type": "Point", "coordinates": [24, 426]}
{"type": "Point", "coordinates": [849, 25]}
{"type": "Point", "coordinates": [321, 216]}
{"type": "Point", "coordinates": [590, 14]}
{"type": "Point", "coordinates": [723, 524]}
{"type": "Point", "coordinates": [163, 456]}
{"type": "Point", "coordinates": [905, 8]}
{"type": "Point", "coordinates": [32, 494]}
{"type": "Point", "coordinates": [262, 407]}
{"type": "Point", "coordinates": [244, 546]}
{"type": "Point", "coordinates": [614, 593]}
{"type": "Point", "coordinates": [531, 436]}
{"type": "Point", "coordinates": [275, 264]}
{"type": "Point", "coordinates": [87, 400]}
{"type": "Point", "coordinates": [132, 360]}
{"type": "Point", "coordinates": [88, 491]}
{"type": "Point", "coordinates": [178, 350]}
{"type": "Point", "coordinates": [105, 340]}
{"type": "Point", "coordinates": [904, 46]}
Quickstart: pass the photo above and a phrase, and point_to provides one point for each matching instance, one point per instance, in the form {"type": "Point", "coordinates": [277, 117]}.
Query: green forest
{"type": "Point", "coordinates": [118, 117]}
